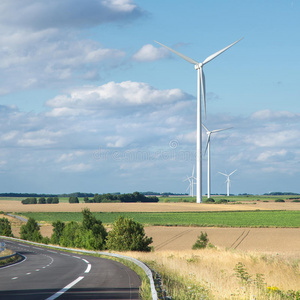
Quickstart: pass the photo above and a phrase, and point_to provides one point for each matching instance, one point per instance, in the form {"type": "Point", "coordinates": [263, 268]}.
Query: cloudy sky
{"type": "Point", "coordinates": [90, 103]}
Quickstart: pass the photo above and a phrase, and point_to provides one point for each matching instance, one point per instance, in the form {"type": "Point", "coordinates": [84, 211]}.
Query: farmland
{"type": "Point", "coordinates": [264, 236]}
{"type": "Point", "coordinates": [204, 219]}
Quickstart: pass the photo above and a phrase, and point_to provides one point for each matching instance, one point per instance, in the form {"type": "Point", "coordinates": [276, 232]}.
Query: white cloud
{"type": "Point", "coordinates": [277, 138]}
{"type": "Point", "coordinates": [68, 13]}
{"type": "Point", "coordinates": [150, 53]}
{"type": "Point", "coordinates": [42, 45]}
{"type": "Point", "coordinates": [269, 114]}
{"type": "Point", "coordinates": [113, 96]}
{"type": "Point", "coordinates": [267, 155]}
{"type": "Point", "coordinates": [69, 156]}
{"type": "Point", "coordinates": [81, 167]}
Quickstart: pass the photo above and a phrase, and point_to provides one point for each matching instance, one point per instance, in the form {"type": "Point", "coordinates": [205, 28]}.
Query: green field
{"type": "Point", "coordinates": [211, 219]}
{"type": "Point", "coordinates": [230, 198]}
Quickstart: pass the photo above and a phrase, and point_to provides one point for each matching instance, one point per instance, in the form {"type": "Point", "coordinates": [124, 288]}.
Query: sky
{"type": "Point", "coordinates": [90, 103]}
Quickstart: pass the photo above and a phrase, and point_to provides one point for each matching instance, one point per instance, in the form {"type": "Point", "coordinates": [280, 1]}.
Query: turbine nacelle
{"type": "Point", "coordinates": [198, 66]}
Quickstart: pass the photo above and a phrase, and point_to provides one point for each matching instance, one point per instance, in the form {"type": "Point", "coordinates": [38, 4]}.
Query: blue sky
{"type": "Point", "coordinates": [90, 103]}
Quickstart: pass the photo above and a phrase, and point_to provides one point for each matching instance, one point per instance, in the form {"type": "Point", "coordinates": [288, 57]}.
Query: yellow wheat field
{"type": "Point", "coordinates": [17, 206]}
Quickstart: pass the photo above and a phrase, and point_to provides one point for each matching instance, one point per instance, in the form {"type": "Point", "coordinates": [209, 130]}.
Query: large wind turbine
{"type": "Point", "coordinates": [207, 149]}
{"type": "Point", "coordinates": [228, 180]}
{"type": "Point", "coordinates": [191, 181]}
{"type": "Point", "coordinates": [200, 91]}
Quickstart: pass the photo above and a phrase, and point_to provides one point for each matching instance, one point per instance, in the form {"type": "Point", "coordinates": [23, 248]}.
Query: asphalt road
{"type": "Point", "coordinates": [51, 274]}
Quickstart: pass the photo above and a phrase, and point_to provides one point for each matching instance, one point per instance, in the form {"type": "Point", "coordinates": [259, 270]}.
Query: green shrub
{"type": "Point", "coordinates": [128, 235]}
{"type": "Point", "coordinates": [201, 242]}
{"type": "Point", "coordinates": [58, 228]}
{"type": "Point", "coordinates": [210, 200]}
{"type": "Point", "coordinates": [42, 200]}
{"type": "Point", "coordinates": [55, 200]}
{"type": "Point", "coordinates": [73, 199]}
{"type": "Point", "coordinates": [5, 227]}
{"type": "Point", "coordinates": [31, 200]}
{"type": "Point", "coordinates": [31, 231]}
{"type": "Point", "coordinates": [91, 234]}
{"type": "Point", "coordinates": [279, 200]}
{"type": "Point", "coordinates": [222, 201]}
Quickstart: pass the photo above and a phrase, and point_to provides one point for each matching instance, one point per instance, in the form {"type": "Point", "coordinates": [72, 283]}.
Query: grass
{"type": "Point", "coordinates": [206, 219]}
{"type": "Point", "coordinates": [219, 274]}
{"type": "Point", "coordinates": [241, 198]}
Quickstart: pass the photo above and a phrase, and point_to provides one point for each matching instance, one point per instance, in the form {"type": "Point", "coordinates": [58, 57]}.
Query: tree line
{"type": "Point", "coordinates": [97, 198]}
{"type": "Point", "coordinates": [134, 197]}
{"type": "Point", "coordinates": [42, 200]}
{"type": "Point", "coordinates": [125, 235]}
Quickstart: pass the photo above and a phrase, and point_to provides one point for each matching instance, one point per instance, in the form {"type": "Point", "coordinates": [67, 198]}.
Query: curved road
{"type": "Point", "coordinates": [51, 274]}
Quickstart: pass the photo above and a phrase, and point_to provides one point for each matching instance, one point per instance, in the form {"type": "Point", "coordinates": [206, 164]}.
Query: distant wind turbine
{"type": "Point", "coordinates": [200, 91]}
{"type": "Point", "coordinates": [191, 181]}
{"type": "Point", "coordinates": [228, 180]}
{"type": "Point", "coordinates": [207, 149]}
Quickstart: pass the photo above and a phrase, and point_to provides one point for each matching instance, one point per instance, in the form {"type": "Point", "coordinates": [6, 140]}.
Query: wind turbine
{"type": "Point", "coordinates": [200, 91]}
{"type": "Point", "coordinates": [228, 180]}
{"type": "Point", "coordinates": [207, 149]}
{"type": "Point", "coordinates": [191, 181]}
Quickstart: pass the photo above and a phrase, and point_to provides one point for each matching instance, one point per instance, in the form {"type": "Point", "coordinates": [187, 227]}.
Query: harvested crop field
{"type": "Point", "coordinates": [278, 240]}
{"type": "Point", "coordinates": [17, 206]}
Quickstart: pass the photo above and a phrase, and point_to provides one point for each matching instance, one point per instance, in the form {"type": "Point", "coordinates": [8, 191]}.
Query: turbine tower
{"type": "Point", "coordinates": [200, 91]}
{"type": "Point", "coordinates": [228, 180]}
{"type": "Point", "coordinates": [207, 149]}
{"type": "Point", "coordinates": [191, 181]}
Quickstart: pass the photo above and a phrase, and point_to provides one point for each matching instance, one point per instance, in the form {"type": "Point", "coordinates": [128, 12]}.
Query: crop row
{"type": "Point", "coordinates": [211, 219]}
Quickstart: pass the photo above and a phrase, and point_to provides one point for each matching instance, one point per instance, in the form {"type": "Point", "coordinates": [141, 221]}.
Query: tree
{"type": "Point", "coordinates": [201, 242]}
{"type": "Point", "coordinates": [73, 199]}
{"type": "Point", "coordinates": [58, 228]}
{"type": "Point", "coordinates": [49, 200]}
{"type": "Point", "coordinates": [94, 229]}
{"type": "Point", "coordinates": [31, 231]}
{"type": "Point", "coordinates": [42, 200]}
{"type": "Point", "coordinates": [126, 234]}
{"type": "Point", "coordinates": [55, 200]}
{"type": "Point", "coordinates": [5, 227]}
{"type": "Point", "coordinates": [70, 235]}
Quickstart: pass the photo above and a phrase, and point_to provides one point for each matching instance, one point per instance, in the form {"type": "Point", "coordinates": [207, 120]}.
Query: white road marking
{"type": "Point", "coordinates": [37, 270]}
{"type": "Point", "coordinates": [67, 287]}
{"type": "Point", "coordinates": [14, 278]}
{"type": "Point", "coordinates": [85, 261]}
{"type": "Point", "coordinates": [88, 269]}
{"type": "Point", "coordinates": [77, 257]}
{"type": "Point", "coordinates": [28, 273]}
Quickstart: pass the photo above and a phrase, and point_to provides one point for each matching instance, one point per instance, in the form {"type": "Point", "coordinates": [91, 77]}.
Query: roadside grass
{"type": "Point", "coordinates": [223, 274]}
{"type": "Point", "coordinates": [258, 219]}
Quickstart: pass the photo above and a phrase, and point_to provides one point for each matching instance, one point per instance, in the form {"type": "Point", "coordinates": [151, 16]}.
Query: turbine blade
{"type": "Point", "coordinates": [211, 57]}
{"type": "Point", "coordinates": [202, 78]}
{"type": "Point", "coordinates": [205, 127]}
{"type": "Point", "coordinates": [188, 59]}
{"type": "Point", "coordinates": [208, 140]}
{"type": "Point", "coordinates": [232, 172]}
{"type": "Point", "coordinates": [193, 172]}
{"type": "Point", "coordinates": [223, 174]}
{"type": "Point", "coordinates": [218, 130]}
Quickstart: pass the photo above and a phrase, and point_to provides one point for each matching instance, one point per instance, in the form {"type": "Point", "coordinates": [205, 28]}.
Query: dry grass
{"type": "Point", "coordinates": [17, 206]}
{"type": "Point", "coordinates": [214, 269]}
